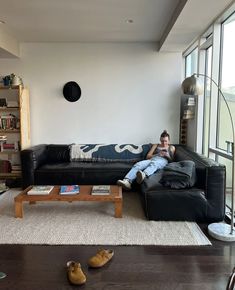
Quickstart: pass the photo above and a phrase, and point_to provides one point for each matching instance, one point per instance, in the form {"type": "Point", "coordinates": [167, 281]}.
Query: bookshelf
{"type": "Point", "coordinates": [188, 114]}
{"type": "Point", "coordinates": [14, 129]}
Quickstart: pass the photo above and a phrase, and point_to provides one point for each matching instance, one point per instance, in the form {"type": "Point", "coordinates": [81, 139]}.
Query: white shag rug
{"type": "Point", "coordinates": [91, 223]}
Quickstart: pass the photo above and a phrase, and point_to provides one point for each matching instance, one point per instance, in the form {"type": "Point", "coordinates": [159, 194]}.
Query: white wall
{"type": "Point", "coordinates": [130, 93]}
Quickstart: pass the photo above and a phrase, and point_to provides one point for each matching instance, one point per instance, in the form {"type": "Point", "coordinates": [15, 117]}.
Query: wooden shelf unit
{"type": "Point", "coordinates": [19, 135]}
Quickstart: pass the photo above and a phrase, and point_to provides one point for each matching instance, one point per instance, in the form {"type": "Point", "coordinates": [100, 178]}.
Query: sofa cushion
{"type": "Point", "coordinates": [175, 204]}
{"type": "Point", "coordinates": [181, 174]}
{"type": "Point", "coordinates": [58, 153]}
{"type": "Point", "coordinates": [81, 173]}
{"type": "Point", "coordinates": [109, 153]}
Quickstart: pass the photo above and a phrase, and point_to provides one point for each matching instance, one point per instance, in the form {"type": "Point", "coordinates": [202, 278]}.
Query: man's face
{"type": "Point", "coordinates": [164, 141]}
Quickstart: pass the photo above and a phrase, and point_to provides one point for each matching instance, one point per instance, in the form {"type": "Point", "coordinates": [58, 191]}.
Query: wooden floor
{"type": "Point", "coordinates": [132, 267]}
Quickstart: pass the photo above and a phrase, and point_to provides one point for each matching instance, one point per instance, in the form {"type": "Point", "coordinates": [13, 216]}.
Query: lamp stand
{"type": "Point", "coordinates": [221, 230]}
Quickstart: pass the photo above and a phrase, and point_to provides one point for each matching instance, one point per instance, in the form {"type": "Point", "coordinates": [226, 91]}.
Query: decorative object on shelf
{"type": "Point", "coordinates": [12, 80]}
{"type": "Point", "coordinates": [16, 80]}
{"type": "Point", "coordinates": [7, 80]}
{"type": "Point", "coordinates": [72, 91]}
{"type": "Point", "coordinates": [220, 231]}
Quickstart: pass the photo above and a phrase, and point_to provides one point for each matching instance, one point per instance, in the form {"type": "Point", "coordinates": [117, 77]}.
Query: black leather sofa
{"type": "Point", "coordinates": [205, 202]}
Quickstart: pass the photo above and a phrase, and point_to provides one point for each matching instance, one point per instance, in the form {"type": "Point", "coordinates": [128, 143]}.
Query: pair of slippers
{"type": "Point", "coordinates": [74, 269]}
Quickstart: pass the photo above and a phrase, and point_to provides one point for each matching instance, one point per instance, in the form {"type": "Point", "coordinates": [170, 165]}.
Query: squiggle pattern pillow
{"type": "Point", "coordinates": [108, 153]}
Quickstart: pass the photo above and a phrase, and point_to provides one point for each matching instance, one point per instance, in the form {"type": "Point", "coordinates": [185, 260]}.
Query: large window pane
{"type": "Point", "coordinates": [191, 63]}
{"type": "Point", "coordinates": [207, 96]}
{"type": "Point", "coordinates": [227, 84]}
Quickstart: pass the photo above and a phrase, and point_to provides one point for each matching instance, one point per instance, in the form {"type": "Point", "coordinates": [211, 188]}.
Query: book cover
{"type": "Point", "coordinates": [69, 189]}
{"type": "Point", "coordinates": [40, 190]}
{"type": "Point", "coordinates": [100, 190]}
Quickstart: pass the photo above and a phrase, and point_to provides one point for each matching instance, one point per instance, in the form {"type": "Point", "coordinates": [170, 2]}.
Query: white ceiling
{"type": "Point", "coordinates": [171, 23]}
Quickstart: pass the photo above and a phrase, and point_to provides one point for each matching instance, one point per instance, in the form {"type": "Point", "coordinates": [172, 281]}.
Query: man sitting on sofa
{"type": "Point", "coordinates": [157, 158]}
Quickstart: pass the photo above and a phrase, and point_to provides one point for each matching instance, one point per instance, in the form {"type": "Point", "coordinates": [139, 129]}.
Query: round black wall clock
{"type": "Point", "coordinates": [72, 91]}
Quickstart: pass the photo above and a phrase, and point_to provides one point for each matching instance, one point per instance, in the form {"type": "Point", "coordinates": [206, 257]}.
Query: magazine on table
{"type": "Point", "coordinates": [69, 189]}
{"type": "Point", "coordinates": [100, 190]}
{"type": "Point", "coordinates": [40, 190]}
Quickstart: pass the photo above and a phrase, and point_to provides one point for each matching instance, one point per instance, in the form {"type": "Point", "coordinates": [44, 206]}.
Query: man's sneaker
{"type": "Point", "coordinates": [140, 176]}
{"type": "Point", "coordinates": [125, 183]}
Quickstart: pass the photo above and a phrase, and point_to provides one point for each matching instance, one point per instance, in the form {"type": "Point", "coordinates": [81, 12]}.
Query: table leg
{"type": "Point", "coordinates": [118, 209]}
{"type": "Point", "coordinates": [18, 209]}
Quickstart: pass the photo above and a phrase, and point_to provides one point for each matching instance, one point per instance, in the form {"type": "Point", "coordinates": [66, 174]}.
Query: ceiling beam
{"type": "Point", "coordinates": [9, 46]}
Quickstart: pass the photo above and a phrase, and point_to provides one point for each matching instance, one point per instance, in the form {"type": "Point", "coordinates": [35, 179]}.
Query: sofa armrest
{"type": "Point", "coordinates": [31, 159]}
{"type": "Point", "coordinates": [215, 193]}
{"type": "Point", "coordinates": [211, 177]}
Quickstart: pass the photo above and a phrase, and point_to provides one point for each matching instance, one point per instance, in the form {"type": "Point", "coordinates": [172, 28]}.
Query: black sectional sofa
{"type": "Point", "coordinates": [204, 202]}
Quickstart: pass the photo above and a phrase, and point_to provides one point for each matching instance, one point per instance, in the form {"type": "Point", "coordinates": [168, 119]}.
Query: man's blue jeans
{"type": "Point", "coordinates": [147, 166]}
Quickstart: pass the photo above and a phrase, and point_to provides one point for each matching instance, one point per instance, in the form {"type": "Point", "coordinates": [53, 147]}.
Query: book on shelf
{"type": "Point", "coordinates": [12, 104]}
{"type": "Point", "coordinates": [191, 101]}
{"type": "Point", "coordinates": [9, 122]}
{"type": "Point", "coordinates": [16, 169]}
{"type": "Point", "coordinates": [5, 166]}
{"type": "Point", "coordinates": [3, 102]}
{"type": "Point", "coordinates": [3, 138]}
{"type": "Point", "coordinates": [40, 190]}
{"type": "Point", "coordinates": [69, 189]}
{"type": "Point", "coordinates": [188, 114]}
{"type": "Point", "coordinates": [18, 172]}
{"type": "Point", "coordinates": [100, 190]}
{"type": "Point", "coordinates": [16, 166]}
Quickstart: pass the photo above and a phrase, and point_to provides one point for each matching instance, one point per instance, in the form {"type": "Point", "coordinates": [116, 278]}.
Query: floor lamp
{"type": "Point", "coordinates": [220, 231]}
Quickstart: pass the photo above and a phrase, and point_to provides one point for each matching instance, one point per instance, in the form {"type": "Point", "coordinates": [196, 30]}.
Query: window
{"type": "Point", "coordinates": [207, 97]}
{"type": "Point", "coordinates": [224, 128]}
{"type": "Point", "coordinates": [191, 63]}
{"type": "Point", "coordinates": [215, 58]}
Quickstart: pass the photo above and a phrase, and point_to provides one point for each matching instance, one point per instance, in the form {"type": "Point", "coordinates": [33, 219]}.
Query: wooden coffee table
{"type": "Point", "coordinates": [85, 195]}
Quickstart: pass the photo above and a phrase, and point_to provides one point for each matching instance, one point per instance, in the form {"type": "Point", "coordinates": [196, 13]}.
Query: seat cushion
{"type": "Point", "coordinates": [81, 173]}
{"type": "Point", "coordinates": [163, 203]}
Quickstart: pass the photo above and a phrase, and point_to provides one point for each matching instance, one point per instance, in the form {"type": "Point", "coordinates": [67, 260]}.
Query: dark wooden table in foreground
{"type": "Point", "coordinates": [31, 267]}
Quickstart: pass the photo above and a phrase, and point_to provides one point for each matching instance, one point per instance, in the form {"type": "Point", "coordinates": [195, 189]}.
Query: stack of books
{"type": "Point", "coordinates": [40, 190]}
{"type": "Point", "coordinates": [3, 138]}
{"type": "Point", "coordinates": [191, 101]}
{"type": "Point", "coordinates": [100, 190]}
{"type": "Point", "coordinates": [16, 169]}
{"type": "Point", "coordinates": [188, 114]}
{"type": "Point", "coordinates": [69, 189]}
